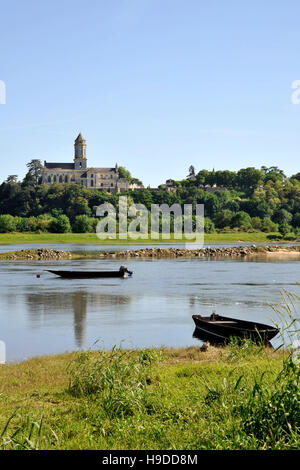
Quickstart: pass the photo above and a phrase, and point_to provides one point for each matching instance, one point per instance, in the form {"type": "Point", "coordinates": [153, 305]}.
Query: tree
{"type": "Point", "coordinates": [296, 220]}
{"type": "Point", "coordinates": [123, 173]}
{"type": "Point", "coordinates": [268, 226]}
{"type": "Point", "coordinates": [7, 223]}
{"type": "Point", "coordinates": [263, 209]}
{"type": "Point", "coordinates": [224, 218]}
{"type": "Point", "coordinates": [12, 179]}
{"type": "Point", "coordinates": [83, 224]}
{"type": "Point", "coordinates": [34, 175]}
{"type": "Point", "coordinates": [209, 226]}
{"type": "Point", "coordinates": [60, 225]}
{"type": "Point", "coordinates": [227, 179]}
{"type": "Point", "coordinates": [241, 219]}
{"type": "Point", "coordinates": [202, 177]}
{"type": "Point", "coordinates": [274, 174]}
{"type": "Point", "coordinates": [282, 216]}
{"type": "Point", "coordinates": [250, 178]}
{"type": "Point", "coordinates": [284, 229]}
{"type": "Point", "coordinates": [296, 176]}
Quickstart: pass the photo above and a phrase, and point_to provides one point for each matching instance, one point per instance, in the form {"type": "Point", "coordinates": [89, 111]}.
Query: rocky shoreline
{"type": "Point", "coordinates": [239, 251]}
{"type": "Point", "coordinates": [39, 254]}
{"type": "Point", "coordinates": [157, 253]}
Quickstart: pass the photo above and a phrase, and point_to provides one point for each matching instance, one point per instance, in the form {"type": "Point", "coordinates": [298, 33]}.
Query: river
{"type": "Point", "coordinates": [49, 315]}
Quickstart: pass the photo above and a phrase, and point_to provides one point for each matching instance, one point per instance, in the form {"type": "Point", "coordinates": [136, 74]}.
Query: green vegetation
{"type": "Point", "coordinates": [249, 200]}
{"type": "Point", "coordinates": [46, 237]}
{"type": "Point", "coordinates": [238, 397]}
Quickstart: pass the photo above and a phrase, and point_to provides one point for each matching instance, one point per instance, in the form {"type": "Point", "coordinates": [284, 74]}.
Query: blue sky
{"type": "Point", "coordinates": [154, 85]}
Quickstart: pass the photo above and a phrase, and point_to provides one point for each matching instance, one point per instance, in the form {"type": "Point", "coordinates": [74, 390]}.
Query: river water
{"type": "Point", "coordinates": [154, 307]}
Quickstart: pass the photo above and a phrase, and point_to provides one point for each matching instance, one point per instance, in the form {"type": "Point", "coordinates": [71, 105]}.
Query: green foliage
{"type": "Point", "coordinates": [27, 434]}
{"type": "Point", "coordinates": [282, 216]}
{"type": "Point", "coordinates": [250, 178]}
{"type": "Point", "coordinates": [119, 379]}
{"type": "Point", "coordinates": [34, 175]}
{"type": "Point", "coordinates": [209, 226]}
{"type": "Point", "coordinates": [82, 224]}
{"type": "Point", "coordinates": [285, 228]}
{"type": "Point", "coordinates": [7, 223]}
{"type": "Point", "coordinates": [267, 197]}
{"type": "Point", "coordinates": [60, 225]}
{"type": "Point", "coordinates": [272, 414]}
{"type": "Point", "coordinates": [296, 220]}
{"type": "Point", "coordinates": [268, 226]}
{"type": "Point", "coordinates": [224, 218]}
{"type": "Point", "coordinates": [241, 219]}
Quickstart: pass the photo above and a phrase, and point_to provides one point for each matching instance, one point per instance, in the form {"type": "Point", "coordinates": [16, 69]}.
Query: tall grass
{"type": "Point", "coordinates": [116, 379]}
{"type": "Point", "coordinates": [272, 412]}
{"type": "Point", "coordinates": [288, 314]}
{"type": "Point", "coordinates": [22, 432]}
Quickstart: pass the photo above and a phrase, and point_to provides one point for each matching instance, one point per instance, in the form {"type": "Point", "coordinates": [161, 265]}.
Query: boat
{"type": "Point", "coordinates": [219, 329]}
{"type": "Point", "coordinates": [91, 274]}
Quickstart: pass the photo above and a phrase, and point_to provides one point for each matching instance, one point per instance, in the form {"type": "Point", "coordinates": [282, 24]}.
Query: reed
{"type": "Point", "coordinates": [118, 379]}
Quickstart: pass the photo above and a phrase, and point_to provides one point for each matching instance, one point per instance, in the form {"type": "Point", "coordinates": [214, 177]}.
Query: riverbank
{"type": "Point", "coordinates": [158, 253]}
{"type": "Point", "coordinates": [160, 399]}
{"type": "Point", "coordinates": [84, 238]}
{"type": "Point", "coordinates": [233, 252]}
{"type": "Point", "coordinates": [34, 255]}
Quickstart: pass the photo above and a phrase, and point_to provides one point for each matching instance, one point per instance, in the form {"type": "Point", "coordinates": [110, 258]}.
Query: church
{"type": "Point", "coordinates": [105, 179]}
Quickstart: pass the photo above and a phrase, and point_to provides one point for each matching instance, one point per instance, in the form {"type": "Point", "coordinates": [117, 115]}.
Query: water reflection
{"type": "Point", "coordinates": [46, 307]}
{"type": "Point", "coordinates": [79, 309]}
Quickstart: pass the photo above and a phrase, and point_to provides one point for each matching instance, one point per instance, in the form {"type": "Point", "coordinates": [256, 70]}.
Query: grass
{"type": "Point", "coordinates": [26, 237]}
{"type": "Point", "coordinates": [237, 397]}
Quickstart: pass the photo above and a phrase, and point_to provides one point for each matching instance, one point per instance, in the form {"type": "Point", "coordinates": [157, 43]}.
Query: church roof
{"type": "Point", "coordinates": [103, 170]}
{"type": "Point", "coordinates": [79, 138]}
{"type": "Point", "coordinates": [63, 166]}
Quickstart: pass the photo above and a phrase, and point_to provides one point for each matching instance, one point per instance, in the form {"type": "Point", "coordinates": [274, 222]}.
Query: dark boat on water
{"type": "Point", "coordinates": [91, 274]}
{"type": "Point", "coordinates": [219, 329]}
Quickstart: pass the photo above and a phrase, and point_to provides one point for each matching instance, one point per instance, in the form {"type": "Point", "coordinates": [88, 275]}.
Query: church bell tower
{"type": "Point", "coordinates": [80, 160]}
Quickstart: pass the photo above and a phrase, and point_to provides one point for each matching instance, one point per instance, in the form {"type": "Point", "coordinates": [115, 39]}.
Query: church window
{"type": "Point", "coordinates": [49, 179]}
{"type": "Point", "coordinates": [66, 179]}
{"type": "Point", "coordinates": [54, 179]}
{"type": "Point", "coordinates": [92, 182]}
{"type": "Point", "coordinates": [60, 179]}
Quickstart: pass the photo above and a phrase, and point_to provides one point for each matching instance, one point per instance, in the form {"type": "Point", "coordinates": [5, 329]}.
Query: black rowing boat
{"type": "Point", "coordinates": [220, 329]}
{"type": "Point", "coordinates": [91, 274]}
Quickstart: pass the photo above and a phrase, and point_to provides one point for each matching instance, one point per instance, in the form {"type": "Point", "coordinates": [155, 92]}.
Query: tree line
{"type": "Point", "coordinates": [248, 200]}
